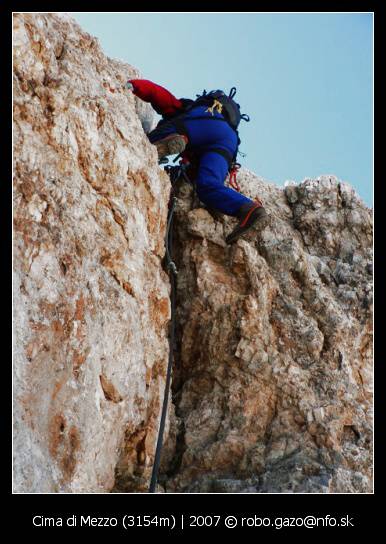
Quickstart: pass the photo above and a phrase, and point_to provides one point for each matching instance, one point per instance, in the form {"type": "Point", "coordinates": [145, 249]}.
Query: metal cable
{"type": "Point", "coordinates": [172, 275]}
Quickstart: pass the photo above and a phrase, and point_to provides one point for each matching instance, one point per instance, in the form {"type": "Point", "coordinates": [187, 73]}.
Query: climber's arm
{"type": "Point", "coordinates": [164, 102]}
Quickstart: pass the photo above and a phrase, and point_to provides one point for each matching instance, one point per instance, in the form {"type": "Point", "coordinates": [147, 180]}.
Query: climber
{"type": "Point", "coordinates": [207, 148]}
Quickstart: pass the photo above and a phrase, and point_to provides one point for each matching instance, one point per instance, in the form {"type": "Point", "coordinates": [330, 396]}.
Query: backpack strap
{"type": "Point", "coordinates": [232, 92]}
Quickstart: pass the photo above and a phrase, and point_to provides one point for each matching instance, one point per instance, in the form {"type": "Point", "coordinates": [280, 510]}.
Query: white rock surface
{"type": "Point", "coordinates": [91, 299]}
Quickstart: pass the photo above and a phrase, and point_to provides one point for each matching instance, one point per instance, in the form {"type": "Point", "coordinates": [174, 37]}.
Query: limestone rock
{"type": "Point", "coordinates": [272, 381]}
{"type": "Point", "coordinates": [273, 371]}
{"type": "Point", "coordinates": [91, 298]}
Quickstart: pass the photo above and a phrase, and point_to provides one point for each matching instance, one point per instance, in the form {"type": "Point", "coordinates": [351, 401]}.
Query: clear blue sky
{"type": "Point", "coordinates": [305, 79]}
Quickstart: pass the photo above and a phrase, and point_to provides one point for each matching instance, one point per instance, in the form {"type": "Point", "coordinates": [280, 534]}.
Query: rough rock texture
{"type": "Point", "coordinates": [90, 296]}
{"type": "Point", "coordinates": [273, 368]}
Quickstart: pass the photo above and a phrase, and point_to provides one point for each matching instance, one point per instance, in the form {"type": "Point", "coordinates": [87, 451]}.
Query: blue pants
{"type": "Point", "coordinates": [213, 167]}
{"type": "Point", "coordinates": [212, 171]}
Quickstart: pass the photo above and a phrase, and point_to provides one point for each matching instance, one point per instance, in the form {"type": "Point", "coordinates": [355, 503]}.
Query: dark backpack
{"type": "Point", "coordinates": [230, 108]}
{"type": "Point", "coordinates": [230, 111]}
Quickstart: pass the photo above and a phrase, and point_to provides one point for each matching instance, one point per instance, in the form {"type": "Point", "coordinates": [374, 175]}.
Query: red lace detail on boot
{"type": "Point", "coordinates": [257, 204]}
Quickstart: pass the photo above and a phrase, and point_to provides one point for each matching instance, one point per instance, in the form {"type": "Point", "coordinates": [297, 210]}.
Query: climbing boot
{"type": "Point", "coordinates": [171, 145]}
{"type": "Point", "coordinates": [248, 215]}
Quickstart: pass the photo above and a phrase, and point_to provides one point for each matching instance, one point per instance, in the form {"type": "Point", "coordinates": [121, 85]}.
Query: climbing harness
{"type": "Point", "coordinates": [175, 172]}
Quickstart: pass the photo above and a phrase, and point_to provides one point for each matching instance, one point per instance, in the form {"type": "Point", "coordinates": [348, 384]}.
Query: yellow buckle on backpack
{"type": "Point", "coordinates": [215, 106]}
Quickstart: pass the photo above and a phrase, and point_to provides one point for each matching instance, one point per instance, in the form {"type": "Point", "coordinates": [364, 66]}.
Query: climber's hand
{"type": "Point", "coordinates": [129, 86]}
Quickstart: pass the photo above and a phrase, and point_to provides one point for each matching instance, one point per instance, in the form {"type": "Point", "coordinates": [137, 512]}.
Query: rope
{"type": "Point", "coordinates": [172, 269]}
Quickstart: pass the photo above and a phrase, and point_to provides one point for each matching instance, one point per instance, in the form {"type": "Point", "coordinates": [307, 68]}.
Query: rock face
{"type": "Point", "coordinates": [273, 365]}
{"type": "Point", "coordinates": [90, 296]}
{"type": "Point", "coordinates": [273, 360]}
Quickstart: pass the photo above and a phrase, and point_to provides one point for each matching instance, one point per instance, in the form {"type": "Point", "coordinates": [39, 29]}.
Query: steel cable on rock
{"type": "Point", "coordinates": [175, 173]}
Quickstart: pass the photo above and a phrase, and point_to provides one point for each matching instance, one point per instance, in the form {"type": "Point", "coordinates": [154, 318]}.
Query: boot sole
{"type": "Point", "coordinates": [172, 145]}
{"type": "Point", "coordinates": [236, 235]}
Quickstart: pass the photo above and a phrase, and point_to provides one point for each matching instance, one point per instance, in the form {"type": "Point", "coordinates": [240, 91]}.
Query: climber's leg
{"type": "Point", "coordinates": [167, 141]}
{"type": "Point", "coordinates": [171, 145]}
{"type": "Point", "coordinates": [212, 171]}
{"type": "Point", "coordinates": [161, 131]}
